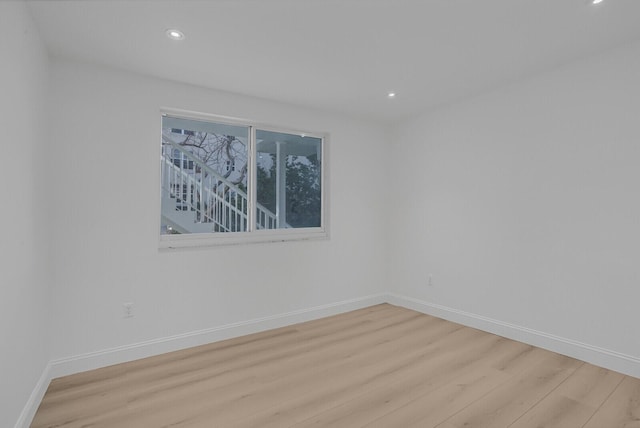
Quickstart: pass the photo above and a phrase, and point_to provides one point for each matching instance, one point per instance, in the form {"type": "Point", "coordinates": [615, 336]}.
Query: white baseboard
{"type": "Point", "coordinates": [122, 354]}
{"type": "Point", "coordinates": [29, 410]}
{"type": "Point", "coordinates": [601, 357]}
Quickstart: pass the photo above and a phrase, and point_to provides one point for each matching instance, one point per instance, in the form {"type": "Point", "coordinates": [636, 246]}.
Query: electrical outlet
{"type": "Point", "coordinates": [430, 281]}
{"type": "Point", "coordinates": [127, 310]}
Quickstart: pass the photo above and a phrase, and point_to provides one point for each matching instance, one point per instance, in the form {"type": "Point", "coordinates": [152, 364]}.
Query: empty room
{"type": "Point", "coordinates": [328, 213]}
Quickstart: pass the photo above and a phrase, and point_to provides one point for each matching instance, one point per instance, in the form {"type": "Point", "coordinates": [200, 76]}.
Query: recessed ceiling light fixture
{"type": "Point", "coordinates": [596, 1]}
{"type": "Point", "coordinates": [175, 34]}
{"type": "Point", "coordinates": [391, 95]}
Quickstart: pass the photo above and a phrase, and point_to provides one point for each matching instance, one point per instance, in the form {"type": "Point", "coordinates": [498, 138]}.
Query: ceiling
{"type": "Point", "coordinates": [339, 55]}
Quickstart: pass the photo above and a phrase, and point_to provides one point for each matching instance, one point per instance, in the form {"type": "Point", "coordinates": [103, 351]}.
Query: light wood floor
{"type": "Point", "coordinates": [381, 366]}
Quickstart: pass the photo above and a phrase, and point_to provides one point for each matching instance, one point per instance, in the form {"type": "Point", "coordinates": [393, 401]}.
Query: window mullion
{"type": "Point", "coordinates": [252, 181]}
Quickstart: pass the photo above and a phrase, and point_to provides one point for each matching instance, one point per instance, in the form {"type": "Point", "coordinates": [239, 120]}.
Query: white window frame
{"type": "Point", "coordinates": [252, 235]}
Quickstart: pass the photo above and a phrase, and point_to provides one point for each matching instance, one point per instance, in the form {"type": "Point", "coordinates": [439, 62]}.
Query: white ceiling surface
{"type": "Point", "coordinates": [339, 55]}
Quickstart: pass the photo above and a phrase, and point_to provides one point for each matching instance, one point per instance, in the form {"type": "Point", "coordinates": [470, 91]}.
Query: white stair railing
{"type": "Point", "coordinates": [198, 188]}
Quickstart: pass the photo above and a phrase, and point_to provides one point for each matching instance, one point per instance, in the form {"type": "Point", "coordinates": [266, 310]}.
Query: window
{"type": "Point", "coordinates": [225, 181]}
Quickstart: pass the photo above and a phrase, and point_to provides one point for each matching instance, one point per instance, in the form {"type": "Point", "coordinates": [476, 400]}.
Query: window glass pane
{"type": "Point", "coordinates": [204, 176]}
{"type": "Point", "coordinates": [288, 180]}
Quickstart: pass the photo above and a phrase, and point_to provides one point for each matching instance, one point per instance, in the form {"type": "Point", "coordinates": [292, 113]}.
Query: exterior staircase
{"type": "Point", "coordinates": [197, 199]}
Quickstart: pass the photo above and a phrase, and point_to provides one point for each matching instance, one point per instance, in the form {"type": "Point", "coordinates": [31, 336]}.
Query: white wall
{"type": "Point", "coordinates": [105, 131]}
{"type": "Point", "coordinates": [525, 204]}
{"type": "Point", "coordinates": [23, 245]}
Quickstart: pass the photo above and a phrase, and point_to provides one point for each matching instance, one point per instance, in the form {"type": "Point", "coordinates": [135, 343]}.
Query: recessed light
{"type": "Point", "coordinates": [391, 95]}
{"type": "Point", "coordinates": [596, 1]}
{"type": "Point", "coordinates": [174, 34]}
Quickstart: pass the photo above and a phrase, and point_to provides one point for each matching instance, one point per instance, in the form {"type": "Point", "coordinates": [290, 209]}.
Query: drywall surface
{"type": "Point", "coordinates": [23, 247]}
{"type": "Point", "coordinates": [523, 204]}
{"type": "Point", "coordinates": [106, 131]}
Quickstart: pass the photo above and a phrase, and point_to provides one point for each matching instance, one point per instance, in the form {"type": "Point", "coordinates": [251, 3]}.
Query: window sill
{"type": "Point", "coordinates": [208, 240]}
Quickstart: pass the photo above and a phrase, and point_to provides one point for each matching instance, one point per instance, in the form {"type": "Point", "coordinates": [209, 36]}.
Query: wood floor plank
{"type": "Point", "coordinates": [434, 408]}
{"type": "Point", "coordinates": [575, 401]}
{"type": "Point", "coordinates": [621, 409]}
{"type": "Point", "coordinates": [321, 373]}
{"type": "Point", "coordinates": [423, 378]}
{"type": "Point", "coordinates": [507, 403]}
{"type": "Point", "coordinates": [382, 366]}
{"type": "Point", "coordinates": [428, 362]}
